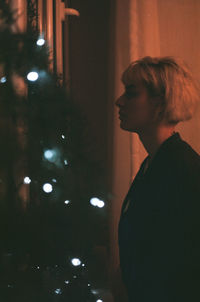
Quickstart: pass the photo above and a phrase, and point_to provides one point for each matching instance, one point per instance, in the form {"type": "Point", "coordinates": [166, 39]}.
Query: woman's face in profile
{"type": "Point", "coordinates": [136, 108]}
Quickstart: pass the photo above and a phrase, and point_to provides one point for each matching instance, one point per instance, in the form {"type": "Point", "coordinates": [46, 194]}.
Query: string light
{"type": "Point", "coordinates": [63, 137]}
{"type": "Point", "coordinates": [67, 201]}
{"type": "Point", "coordinates": [27, 180]}
{"type": "Point", "coordinates": [40, 42]}
{"type": "Point", "coordinates": [76, 261]}
{"type": "Point", "coordinates": [65, 162]}
{"type": "Point", "coordinates": [47, 188]}
{"type": "Point", "coordinates": [32, 76]}
{"type": "Point", "coordinates": [58, 291]}
{"type": "Point", "coordinates": [96, 202]}
{"type": "Point", "coordinates": [99, 300]}
{"type": "Point", "coordinates": [101, 203]}
{"type": "Point", "coordinates": [49, 154]}
{"type": "Point", "coordinates": [3, 80]}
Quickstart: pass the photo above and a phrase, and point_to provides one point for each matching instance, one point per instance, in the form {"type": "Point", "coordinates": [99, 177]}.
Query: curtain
{"type": "Point", "coordinates": [141, 28]}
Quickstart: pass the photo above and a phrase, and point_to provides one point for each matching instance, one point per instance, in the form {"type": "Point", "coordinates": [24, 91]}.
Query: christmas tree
{"type": "Point", "coordinates": [53, 210]}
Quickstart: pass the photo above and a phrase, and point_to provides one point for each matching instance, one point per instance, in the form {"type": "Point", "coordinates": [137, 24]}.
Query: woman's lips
{"type": "Point", "coordinates": [121, 115]}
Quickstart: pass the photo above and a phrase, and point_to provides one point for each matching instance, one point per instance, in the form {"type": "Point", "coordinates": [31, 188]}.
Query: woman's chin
{"type": "Point", "coordinates": [126, 127]}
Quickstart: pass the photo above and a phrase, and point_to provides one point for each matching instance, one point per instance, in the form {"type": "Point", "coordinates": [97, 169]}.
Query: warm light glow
{"type": "Point", "coordinates": [32, 76]}
{"type": "Point", "coordinates": [3, 80]}
{"type": "Point", "coordinates": [27, 180]}
{"type": "Point", "coordinates": [40, 42]}
{"type": "Point", "coordinates": [47, 188]}
{"type": "Point", "coordinates": [76, 261]}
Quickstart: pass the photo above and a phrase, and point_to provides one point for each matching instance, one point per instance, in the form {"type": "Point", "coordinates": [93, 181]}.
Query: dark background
{"type": "Point", "coordinates": [87, 64]}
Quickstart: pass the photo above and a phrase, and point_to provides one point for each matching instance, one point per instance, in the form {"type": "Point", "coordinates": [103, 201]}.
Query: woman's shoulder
{"type": "Point", "coordinates": [185, 153]}
{"type": "Point", "coordinates": [183, 157]}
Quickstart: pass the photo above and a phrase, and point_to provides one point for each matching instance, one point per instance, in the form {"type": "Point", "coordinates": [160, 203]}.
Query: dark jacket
{"type": "Point", "coordinates": [159, 234]}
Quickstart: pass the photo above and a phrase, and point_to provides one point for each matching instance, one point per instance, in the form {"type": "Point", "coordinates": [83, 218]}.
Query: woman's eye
{"type": "Point", "coordinates": [130, 95]}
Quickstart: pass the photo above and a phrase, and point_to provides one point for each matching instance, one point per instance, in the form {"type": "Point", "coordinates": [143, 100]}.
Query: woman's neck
{"type": "Point", "coordinates": [153, 138]}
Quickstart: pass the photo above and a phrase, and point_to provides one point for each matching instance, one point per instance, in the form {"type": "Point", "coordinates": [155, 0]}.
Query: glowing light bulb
{"type": "Point", "coordinates": [99, 300]}
{"type": "Point", "coordinates": [32, 76]}
{"type": "Point", "coordinates": [63, 137]}
{"type": "Point", "coordinates": [66, 281]}
{"type": "Point", "coordinates": [67, 201]}
{"type": "Point", "coordinates": [47, 188]}
{"type": "Point", "coordinates": [65, 162]}
{"type": "Point", "coordinates": [54, 180]}
{"type": "Point", "coordinates": [27, 180]}
{"type": "Point", "coordinates": [40, 42]}
{"type": "Point", "coordinates": [76, 261]}
{"type": "Point", "coordinates": [83, 264]}
{"type": "Point", "coordinates": [3, 80]}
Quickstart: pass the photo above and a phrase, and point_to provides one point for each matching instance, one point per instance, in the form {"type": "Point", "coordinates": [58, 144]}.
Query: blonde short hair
{"type": "Point", "coordinates": [170, 80]}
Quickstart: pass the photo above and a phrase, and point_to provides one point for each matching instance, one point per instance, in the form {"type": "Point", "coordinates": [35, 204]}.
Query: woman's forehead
{"type": "Point", "coordinates": [133, 83]}
{"type": "Point", "coordinates": [132, 76]}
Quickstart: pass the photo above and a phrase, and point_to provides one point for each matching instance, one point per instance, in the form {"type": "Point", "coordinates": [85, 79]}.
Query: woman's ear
{"type": "Point", "coordinates": [159, 108]}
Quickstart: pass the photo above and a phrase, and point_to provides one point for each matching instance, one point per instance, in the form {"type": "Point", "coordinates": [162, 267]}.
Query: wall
{"type": "Point", "coordinates": [88, 59]}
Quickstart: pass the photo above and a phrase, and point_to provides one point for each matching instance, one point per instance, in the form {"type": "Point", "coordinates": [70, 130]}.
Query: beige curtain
{"type": "Point", "coordinates": [141, 28]}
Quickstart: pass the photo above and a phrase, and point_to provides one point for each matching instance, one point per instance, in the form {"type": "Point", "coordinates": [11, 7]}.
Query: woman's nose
{"type": "Point", "coordinates": [119, 101]}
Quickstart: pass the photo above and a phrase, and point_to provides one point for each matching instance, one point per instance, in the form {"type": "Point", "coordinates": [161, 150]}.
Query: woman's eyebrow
{"type": "Point", "coordinates": [129, 87]}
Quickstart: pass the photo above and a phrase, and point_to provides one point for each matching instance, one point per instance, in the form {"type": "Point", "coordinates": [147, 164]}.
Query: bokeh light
{"type": "Point", "coordinates": [32, 76]}
{"type": "Point", "coordinates": [76, 261]}
{"type": "Point", "coordinates": [96, 202]}
{"type": "Point", "coordinates": [47, 188]}
{"type": "Point", "coordinates": [3, 80]}
{"type": "Point", "coordinates": [40, 42]}
{"type": "Point", "coordinates": [27, 180]}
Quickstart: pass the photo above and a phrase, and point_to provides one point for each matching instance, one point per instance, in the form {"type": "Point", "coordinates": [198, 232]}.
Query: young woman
{"type": "Point", "coordinates": [159, 228]}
